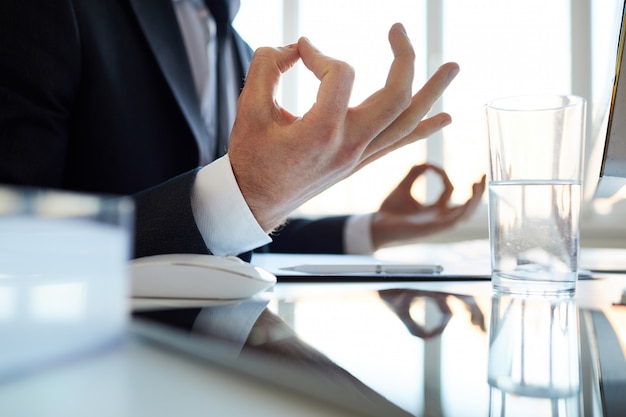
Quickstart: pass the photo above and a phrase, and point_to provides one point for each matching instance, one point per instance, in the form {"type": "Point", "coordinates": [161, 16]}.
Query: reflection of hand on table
{"type": "Point", "coordinates": [400, 301]}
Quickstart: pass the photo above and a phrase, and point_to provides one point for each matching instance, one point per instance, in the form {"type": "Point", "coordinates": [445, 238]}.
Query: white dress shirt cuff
{"type": "Point", "coordinates": [225, 221]}
{"type": "Point", "coordinates": [358, 235]}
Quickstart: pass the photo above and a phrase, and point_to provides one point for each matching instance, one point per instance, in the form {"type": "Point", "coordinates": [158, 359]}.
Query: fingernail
{"type": "Point", "coordinates": [445, 122]}
{"type": "Point", "coordinates": [453, 73]}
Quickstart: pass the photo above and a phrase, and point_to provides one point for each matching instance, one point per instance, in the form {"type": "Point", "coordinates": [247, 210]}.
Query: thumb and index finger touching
{"type": "Point", "coordinates": [336, 77]}
{"type": "Point", "coordinates": [267, 66]}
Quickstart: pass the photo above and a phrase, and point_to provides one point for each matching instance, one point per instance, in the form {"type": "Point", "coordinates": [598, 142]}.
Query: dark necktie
{"type": "Point", "coordinates": [228, 71]}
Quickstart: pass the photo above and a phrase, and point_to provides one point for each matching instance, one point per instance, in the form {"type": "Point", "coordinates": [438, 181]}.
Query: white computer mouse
{"type": "Point", "coordinates": [193, 276]}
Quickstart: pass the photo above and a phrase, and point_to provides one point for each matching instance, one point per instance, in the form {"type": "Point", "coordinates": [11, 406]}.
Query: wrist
{"type": "Point", "coordinates": [378, 230]}
{"type": "Point", "coordinates": [257, 195]}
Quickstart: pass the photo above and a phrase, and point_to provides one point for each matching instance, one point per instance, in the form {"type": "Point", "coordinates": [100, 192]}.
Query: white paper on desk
{"type": "Point", "coordinates": [603, 259]}
{"type": "Point", "coordinates": [275, 263]}
{"type": "Point", "coordinates": [470, 258]}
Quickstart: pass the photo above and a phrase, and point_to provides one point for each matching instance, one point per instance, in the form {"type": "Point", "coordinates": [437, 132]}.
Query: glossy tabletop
{"type": "Point", "coordinates": [437, 348]}
{"type": "Point", "coordinates": [422, 349]}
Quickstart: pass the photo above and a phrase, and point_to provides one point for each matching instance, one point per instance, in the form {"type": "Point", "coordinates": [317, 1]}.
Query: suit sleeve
{"type": "Point", "coordinates": [300, 235]}
{"type": "Point", "coordinates": [164, 221]}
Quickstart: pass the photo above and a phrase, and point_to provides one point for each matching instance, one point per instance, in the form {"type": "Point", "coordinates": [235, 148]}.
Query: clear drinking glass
{"type": "Point", "coordinates": [63, 279]}
{"type": "Point", "coordinates": [536, 148]}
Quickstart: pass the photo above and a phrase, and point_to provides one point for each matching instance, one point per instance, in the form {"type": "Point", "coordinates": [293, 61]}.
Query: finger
{"type": "Point", "coordinates": [266, 68]}
{"type": "Point", "coordinates": [458, 212]}
{"type": "Point", "coordinates": [478, 190]}
{"type": "Point", "coordinates": [410, 126]}
{"type": "Point", "coordinates": [380, 109]}
{"type": "Point", "coordinates": [452, 215]}
{"type": "Point", "coordinates": [482, 183]}
{"type": "Point", "coordinates": [336, 80]}
{"type": "Point", "coordinates": [448, 188]}
{"type": "Point", "coordinates": [435, 86]}
{"type": "Point", "coordinates": [413, 174]}
{"type": "Point", "coordinates": [425, 98]}
{"type": "Point", "coordinates": [399, 83]}
{"type": "Point", "coordinates": [424, 129]}
{"type": "Point", "coordinates": [400, 197]}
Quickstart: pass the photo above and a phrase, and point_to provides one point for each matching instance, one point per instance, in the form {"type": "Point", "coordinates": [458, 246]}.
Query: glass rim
{"type": "Point", "coordinates": [63, 203]}
{"type": "Point", "coordinates": [535, 102]}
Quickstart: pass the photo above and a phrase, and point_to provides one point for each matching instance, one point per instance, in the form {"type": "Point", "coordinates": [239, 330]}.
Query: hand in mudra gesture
{"type": "Point", "coordinates": [280, 161]}
{"type": "Point", "coordinates": [401, 218]}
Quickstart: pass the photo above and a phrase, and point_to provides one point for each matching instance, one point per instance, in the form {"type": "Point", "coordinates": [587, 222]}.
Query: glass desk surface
{"type": "Point", "coordinates": [412, 352]}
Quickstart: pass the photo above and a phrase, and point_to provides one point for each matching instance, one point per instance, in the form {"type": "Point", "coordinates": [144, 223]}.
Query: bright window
{"type": "Point", "coordinates": [354, 31]}
{"type": "Point", "coordinates": [503, 48]}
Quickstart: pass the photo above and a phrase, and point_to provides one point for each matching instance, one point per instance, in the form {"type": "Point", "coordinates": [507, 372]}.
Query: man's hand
{"type": "Point", "coordinates": [280, 161]}
{"type": "Point", "coordinates": [401, 218]}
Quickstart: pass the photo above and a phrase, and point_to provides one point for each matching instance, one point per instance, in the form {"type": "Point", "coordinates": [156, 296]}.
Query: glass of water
{"type": "Point", "coordinates": [536, 146]}
{"type": "Point", "coordinates": [63, 283]}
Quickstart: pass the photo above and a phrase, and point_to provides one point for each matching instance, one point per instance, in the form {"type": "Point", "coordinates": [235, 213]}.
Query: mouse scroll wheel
{"type": "Point", "coordinates": [235, 259]}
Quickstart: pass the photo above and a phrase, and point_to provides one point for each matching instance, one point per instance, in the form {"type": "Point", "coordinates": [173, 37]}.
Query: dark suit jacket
{"type": "Point", "coordinates": [97, 96]}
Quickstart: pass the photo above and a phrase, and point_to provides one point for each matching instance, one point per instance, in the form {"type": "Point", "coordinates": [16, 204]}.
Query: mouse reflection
{"type": "Point", "coordinates": [253, 331]}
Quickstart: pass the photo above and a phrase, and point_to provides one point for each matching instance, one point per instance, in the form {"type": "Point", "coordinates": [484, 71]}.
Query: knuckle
{"type": "Point", "coordinates": [410, 54]}
{"type": "Point", "coordinates": [403, 100]}
{"type": "Point", "coordinates": [264, 55]}
{"type": "Point", "coordinates": [263, 52]}
{"type": "Point", "coordinates": [346, 157]}
{"type": "Point", "coordinates": [328, 133]}
{"type": "Point", "coordinates": [345, 70]}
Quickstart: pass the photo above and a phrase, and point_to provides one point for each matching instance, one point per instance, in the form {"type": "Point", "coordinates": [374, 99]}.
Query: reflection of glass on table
{"type": "Point", "coordinates": [534, 356]}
